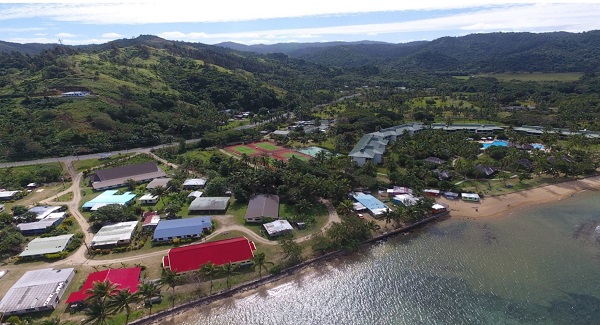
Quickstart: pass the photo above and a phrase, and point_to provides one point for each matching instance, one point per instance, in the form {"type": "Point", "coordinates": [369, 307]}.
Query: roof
{"type": "Point", "coordinates": [370, 202]}
{"type": "Point", "coordinates": [470, 195]}
{"type": "Point", "coordinates": [277, 227]}
{"type": "Point", "coordinates": [36, 289]}
{"type": "Point", "coordinates": [194, 182]}
{"type": "Point", "coordinates": [182, 227]}
{"type": "Point", "coordinates": [406, 199]}
{"type": "Point", "coordinates": [110, 197]}
{"type": "Point", "coordinates": [485, 169]}
{"type": "Point", "coordinates": [119, 175]}
{"type": "Point", "coordinates": [281, 132]}
{"type": "Point", "coordinates": [151, 218]}
{"type": "Point", "coordinates": [112, 234]}
{"type": "Point", "coordinates": [264, 205]}
{"type": "Point", "coordinates": [47, 245]}
{"type": "Point", "coordinates": [39, 225]}
{"type": "Point", "coordinates": [43, 211]}
{"type": "Point", "coordinates": [7, 194]}
{"type": "Point", "coordinates": [195, 194]}
{"type": "Point", "coordinates": [163, 181]}
{"type": "Point", "coordinates": [192, 257]}
{"type": "Point", "coordinates": [128, 278]}
{"type": "Point", "coordinates": [434, 160]}
{"type": "Point", "coordinates": [369, 146]}
{"type": "Point", "coordinates": [209, 203]}
{"type": "Point", "coordinates": [148, 197]}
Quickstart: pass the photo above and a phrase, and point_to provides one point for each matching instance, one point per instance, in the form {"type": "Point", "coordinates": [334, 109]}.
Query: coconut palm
{"type": "Point", "coordinates": [209, 269]}
{"type": "Point", "coordinates": [148, 290]}
{"type": "Point", "coordinates": [120, 302]}
{"type": "Point", "coordinates": [100, 291]}
{"type": "Point", "coordinates": [97, 313]}
{"type": "Point", "coordinates": [171, 279]}
{"type": "Point", "coordinates": [131, 184]}
{"type": "Point", "coordinates": [260, 262]}
{"type": "Point", "coordinates": [159, 191]}
{"type": "Point", "coordinates": [229, 269]}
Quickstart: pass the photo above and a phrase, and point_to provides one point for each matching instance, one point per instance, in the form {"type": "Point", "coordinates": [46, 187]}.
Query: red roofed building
{"type": "Point", "coordinates": [128, 278]}
{"type": "Point", "coordinates": [189, 258]}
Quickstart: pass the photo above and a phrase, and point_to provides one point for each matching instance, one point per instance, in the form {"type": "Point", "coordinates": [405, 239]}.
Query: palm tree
{"type": "Point", "coordinates": [345, 207]}
{"type": "Point", "coordinates": [149, 290]}
{"type": "Point", "coordinates": [100, 290]}
{"type": "Point", "coordinates": [121, 301]}
{"type": "Point", "coordinates": [131, 184]}
{"type": "Point", "coordinates": [260, 261]}
{"type": "Point", "coordinates": [97, 313]}
{"type": "Point", "coordinates": [209, 269]}
{"type": "Point", "coordinates": [159, 191]}
{"type": "Point", "coordinates": [229, 269]}
{"type": "Point", "coordinates": [171, 279]}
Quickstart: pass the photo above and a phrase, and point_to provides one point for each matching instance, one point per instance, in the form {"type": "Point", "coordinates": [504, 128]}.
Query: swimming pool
{"type": "Point", "coordinates": [496, 143]}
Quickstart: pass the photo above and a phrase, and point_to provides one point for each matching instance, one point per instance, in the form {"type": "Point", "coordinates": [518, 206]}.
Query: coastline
{"type": "Point", "coordinates": [494, 207]}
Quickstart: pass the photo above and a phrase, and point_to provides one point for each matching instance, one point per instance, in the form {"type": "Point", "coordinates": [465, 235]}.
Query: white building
{"type": "Point", "coordinates": [278, 228]}
{"type": "Point", "coordinates": [36, 291]}
{"type": "Point", "coordinates": [117, 234]}
{"type": "Point", "coordinates": [149, 199]}
{"type": "Point", "coordinates": [46, 245]}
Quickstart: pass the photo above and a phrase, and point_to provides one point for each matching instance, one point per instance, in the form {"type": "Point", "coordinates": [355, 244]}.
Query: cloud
{"type": "Point", "coordinates": [533, 18]}
{"type": "Point", "coordinates": [180, 11]}
{"type": "Point", "coordinates": [65, 35]}
{"type": "Point", "coordinates": [20, 30]}
{"type": "Point", "coordinates": [111, 35]}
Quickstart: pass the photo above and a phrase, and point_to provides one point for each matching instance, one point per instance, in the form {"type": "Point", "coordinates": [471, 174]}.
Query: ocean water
{"type": "Point", "coordinates": [537, 266]}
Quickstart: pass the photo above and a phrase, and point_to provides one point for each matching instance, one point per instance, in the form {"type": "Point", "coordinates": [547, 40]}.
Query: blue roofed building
{"type": "Point", "coordinates": [107, 198]}
{"type": "Point", "coordinates": [167, 230]}
{"type": "Point", "coordinates": [372, 204]}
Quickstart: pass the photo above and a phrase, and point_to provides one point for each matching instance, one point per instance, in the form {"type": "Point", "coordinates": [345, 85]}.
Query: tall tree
{"type": "Point", "coordinates": [209, 269]}
{"type": "Point", "coordinates": [100, 291]}
{"type": "Point", "coordinates": [260, 262]}
{"type": "Point", "coordinates": [148, 290]}
{"type": "Point", "coordinates": [171, 279]}
{"type": "Point", "coordinates": [229, 269]}
{"type": "Point", "coordinates": [121, 301]}
{"type": "Point", "coordinates": [97, 313]}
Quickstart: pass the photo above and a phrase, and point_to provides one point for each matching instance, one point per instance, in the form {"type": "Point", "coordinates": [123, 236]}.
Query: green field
{"type": "Point", "coordinates": [267, 146]}
{"type": "Point", "coordinates": [289, 155]}
{"type": "Point", "coordinates": [244, 150]}
{"type": "Point", "coordinates": [536, 76]}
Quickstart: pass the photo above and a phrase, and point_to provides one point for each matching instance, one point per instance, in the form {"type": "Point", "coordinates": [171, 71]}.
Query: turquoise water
{"type": "Point", "coordinates": [537, 266]}
{"type": "Point", "coordinates": [496, 143]}
{"type": "Point", "coordinates": [312, 151]}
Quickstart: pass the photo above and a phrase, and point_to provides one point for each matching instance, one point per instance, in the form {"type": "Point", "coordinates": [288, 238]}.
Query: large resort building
{"type": "Point", "coordinates": [371, 146]}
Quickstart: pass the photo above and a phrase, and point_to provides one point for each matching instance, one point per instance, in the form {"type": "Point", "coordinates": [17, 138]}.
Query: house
{"type": "Point", "coordinates": [281, 133]}
{"type": "Point", "coordinates": [44, 211]}
{"type": "Point", "coordinates": [163, 182]}
{"type": "Point", "coordinates": [126, 278]}
{"type": "Point", "coordinates": [46, 245]}
{"type": "Point", "coordinates": [40, 226]}
{"type": "Point", "coordinates": [194, 183]}
{"type": "Point", "coordinates": [149, 199]}
{"type": "Point", "coordinates": [368, 148]}
{"type": "Point", "coordinates": [264, 206]}
{"type": "Point", "coordinates": [278, 228]}
{"type": "Point", "coordinates": [195, 194]}
{"type": "Point", "coordinates": [442, 174]}
{"type": "Point", "coordinates": [76, 94]}
{"type": "Point", "coordinates": [237, 250]}
{"type": "Point", "coordinates": [37, 290]}
{"type": "Point", "coordinates": [118, 176]}
{"type": "Point", "coordinates": [151, 220]}
{"type": "Point", "coordinates": [405, 199]}
{"type": "Point", "coordinates": [372, 204]}
{"type": "Point", "coordinates": [8, 195]}
{"type": "Point", "coordinates": [451, 195]}
{"type": "Point", "coordinates": [209, 205]}
{"type": "Point", "coordinates": [167, 230]}
{"type": "Point", "coordinates": [438, 208]}
{"type": "Point", "coordinates": [31, 186]}
{"type": "Point", "coordinates": [432, 192]}
{"type": "Point", "coordinates": [397, 190]}
{"type": "Point", "coordinates": [434, 160]}
{"type": "Point", "coordinates": [107, 198]}
{"type": "Point", "coordinates": [486, 170]}
{"type": "Point", "coordinates": [473, 197]}
{"type": "Point", "coordinates": [113, 235]}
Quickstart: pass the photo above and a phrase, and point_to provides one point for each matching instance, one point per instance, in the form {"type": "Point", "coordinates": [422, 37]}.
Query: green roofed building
{"type": "Point", "coordinates": [48, 245]}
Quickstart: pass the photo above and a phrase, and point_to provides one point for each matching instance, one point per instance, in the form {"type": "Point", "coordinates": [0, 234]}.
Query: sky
{"type": "Point", "coordinates": [249, 22]}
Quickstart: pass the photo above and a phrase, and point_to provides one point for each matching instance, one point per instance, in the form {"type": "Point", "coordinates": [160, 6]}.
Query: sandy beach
{"type": "Point", "coordinates": [490, 207]}
{"type": "Point", "coordinates": [504, 205]}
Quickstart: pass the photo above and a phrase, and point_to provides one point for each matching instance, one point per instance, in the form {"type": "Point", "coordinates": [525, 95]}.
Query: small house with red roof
{"type": "Point", "coordinates": [127, 278]}
{"type": "Point", "coordinates": [237, 250]}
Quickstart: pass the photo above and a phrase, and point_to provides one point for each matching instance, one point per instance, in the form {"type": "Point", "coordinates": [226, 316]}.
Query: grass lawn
{"type": "Point", "coordinates": [242, 149]}
{"type": "Point", "coordinates": [64, 198]}
{"type": "Point", "coordinates": [289, 155]}
{"type": "Point", "coordinates": [267, 146]}
{"type": "Point", "coordinates": [81, 165]}
{"type": "Point", "coordinates": [512, 185]}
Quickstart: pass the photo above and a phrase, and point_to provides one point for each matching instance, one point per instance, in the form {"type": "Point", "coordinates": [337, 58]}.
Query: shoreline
{"type": "Point", "coordinates": [494, 207]}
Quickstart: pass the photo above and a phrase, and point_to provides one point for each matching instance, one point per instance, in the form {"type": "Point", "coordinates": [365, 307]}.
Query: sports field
{"type": "Point", "coordinates": [267, 148]}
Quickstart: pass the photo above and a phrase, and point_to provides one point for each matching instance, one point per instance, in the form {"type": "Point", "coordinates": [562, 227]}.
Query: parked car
{"type": "Point", "coordinates": [360, 216]}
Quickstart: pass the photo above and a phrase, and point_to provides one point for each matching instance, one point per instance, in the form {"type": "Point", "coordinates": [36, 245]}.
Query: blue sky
{"type": "Point", "coordinates": [268, 21]}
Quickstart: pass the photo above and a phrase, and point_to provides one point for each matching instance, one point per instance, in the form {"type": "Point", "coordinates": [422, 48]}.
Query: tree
{"type": "Point", "coordinates": [111, 213]}
{"type": "Point", "coordinates": [131, 184]}
{"type": "Point", "coordinates": [18, 210]}
{"type": "Point", "coordinates": [229, 269]}
{"type": "Point", "coordinates": [171, 279]}
{"type": "Point", "coordinates": [148, 290]}
{"type": "Point", "coordinates": [50, 321]}
{"type": "Point", "coordinates": [97, 313]}
{"type": "Point", "coordinates": [209, 269]}
{"type": "Point", "coordinates": [260, 262]}
{"type": "Point", "coordinates": [216, 187]}
{"type": "Point", "coordinates": [10, 240]}
{"type": "Point", "coordinates": [159, 191]}
{"type": "Point", "coordinates": [121, 301]}
{"type": "Point", "coordinates": [100, 291]}
{"type": "Point", "coordinates": [291, 250]}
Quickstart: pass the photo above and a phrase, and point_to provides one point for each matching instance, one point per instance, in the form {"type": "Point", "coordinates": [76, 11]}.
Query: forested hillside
{"type": "Point", "coordinates": [476, 53]}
